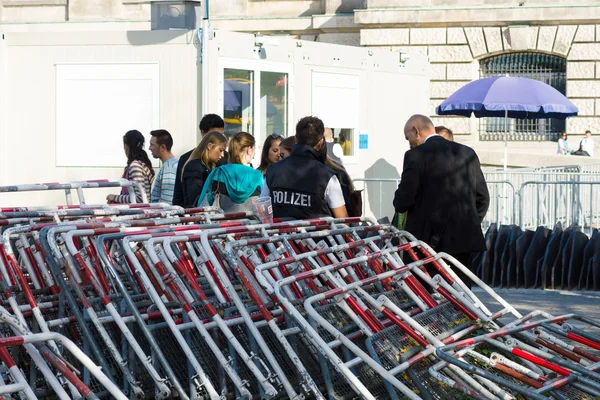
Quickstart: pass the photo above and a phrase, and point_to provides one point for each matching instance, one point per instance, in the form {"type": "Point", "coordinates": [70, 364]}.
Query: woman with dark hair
{"type": "Point", "coordinates": [348, 189]}
{"type": "Point", "coordinates": [270, 152]}
{"type": "Point", "coordinates": [285, 147]}
{"type": "Point", "coordinates": [138, 169]}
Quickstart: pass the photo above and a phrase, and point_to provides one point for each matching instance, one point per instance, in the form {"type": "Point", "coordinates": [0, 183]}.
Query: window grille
{"type": "Point", "coordinates": [542, 67]}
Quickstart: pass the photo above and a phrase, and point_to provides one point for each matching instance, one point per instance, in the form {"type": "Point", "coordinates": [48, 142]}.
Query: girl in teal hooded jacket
{"type": "Point", "coordinates": [235, 184]}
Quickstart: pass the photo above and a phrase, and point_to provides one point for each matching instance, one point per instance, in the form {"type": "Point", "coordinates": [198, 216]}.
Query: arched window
{"type": "Point", "coordinates": [542, 67]}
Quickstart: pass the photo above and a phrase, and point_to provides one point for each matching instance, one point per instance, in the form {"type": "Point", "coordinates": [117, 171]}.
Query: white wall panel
{"type": "Point", "coordinates": [96, 104]}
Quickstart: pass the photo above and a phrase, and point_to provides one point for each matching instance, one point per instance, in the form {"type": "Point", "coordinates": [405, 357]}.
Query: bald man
{"type": "Point", "coordinates": [443, 193]}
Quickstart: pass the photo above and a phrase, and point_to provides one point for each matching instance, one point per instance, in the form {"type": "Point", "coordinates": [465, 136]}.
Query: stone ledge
{"type": "Point", "coordinates": [162, 1]}
{"type": "Point", "coordinates": [479, 15]}
{"type": "Point", "coordinates": [30, 3]}
{"type": "Point", "coordinates": [301, 25]}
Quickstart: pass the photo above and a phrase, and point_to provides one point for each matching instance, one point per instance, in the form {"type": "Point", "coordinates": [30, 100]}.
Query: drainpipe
{"type": "Point", "coordinates": [203, 55]}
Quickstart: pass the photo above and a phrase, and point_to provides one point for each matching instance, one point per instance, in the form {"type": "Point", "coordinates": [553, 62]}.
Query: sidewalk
{"type": "Point", "coordinates": [555, 302]}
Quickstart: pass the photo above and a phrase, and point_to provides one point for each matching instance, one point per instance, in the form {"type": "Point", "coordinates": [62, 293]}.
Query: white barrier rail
{"type": "Point", "coordinates": [568, 202]}
{"type": "Point", "coordinates": [79, 187]}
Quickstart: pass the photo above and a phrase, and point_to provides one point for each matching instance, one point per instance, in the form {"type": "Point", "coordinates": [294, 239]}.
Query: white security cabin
{"type": "Point", "coordinates": [66, 99]}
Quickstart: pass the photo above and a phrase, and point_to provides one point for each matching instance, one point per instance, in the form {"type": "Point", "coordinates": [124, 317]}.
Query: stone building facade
{"type": "Point", "coordinates": [455, 52]}
{"type": "Point", "coordinates": [456, 35]}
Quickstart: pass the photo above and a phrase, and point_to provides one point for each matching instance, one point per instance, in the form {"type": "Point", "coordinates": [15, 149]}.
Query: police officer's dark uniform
{"type": "Point", "coordinates": [298, 183]}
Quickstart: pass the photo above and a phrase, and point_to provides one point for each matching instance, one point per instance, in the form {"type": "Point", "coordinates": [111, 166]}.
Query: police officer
{"type": "Point", "coordinates": [301, 186]}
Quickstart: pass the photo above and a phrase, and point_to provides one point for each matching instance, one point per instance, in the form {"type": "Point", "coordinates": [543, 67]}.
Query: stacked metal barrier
{"type": "Point", "coordinates": [561, 258]}
{"type": "Point", "coordinates": [153, 301]}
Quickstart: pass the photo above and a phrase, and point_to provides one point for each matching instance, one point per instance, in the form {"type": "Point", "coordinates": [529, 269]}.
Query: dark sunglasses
{"type": "Point", "coordinates": [276, 136]}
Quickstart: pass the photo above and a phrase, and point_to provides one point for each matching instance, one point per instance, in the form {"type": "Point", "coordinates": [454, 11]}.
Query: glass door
{"type": "Point", "coordinates": [238, 101]}
{"type": "Point", "coordinates": [256, 99]}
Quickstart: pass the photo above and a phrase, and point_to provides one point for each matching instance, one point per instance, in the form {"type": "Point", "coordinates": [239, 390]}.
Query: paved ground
{"type": "Point", "coordinates": [556, 302]}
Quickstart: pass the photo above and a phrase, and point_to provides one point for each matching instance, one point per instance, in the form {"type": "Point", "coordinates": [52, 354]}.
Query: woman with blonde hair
{"type": "Point", "coordinates": [233, 186]}
{"type": "Point", "coordinates": [203, 159]}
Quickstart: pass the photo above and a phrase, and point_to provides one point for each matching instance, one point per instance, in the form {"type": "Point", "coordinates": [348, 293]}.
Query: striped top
{"type": "Point", "coordinates": [138, 172]}
{"type": "Point", "coordinates": [164, 183]}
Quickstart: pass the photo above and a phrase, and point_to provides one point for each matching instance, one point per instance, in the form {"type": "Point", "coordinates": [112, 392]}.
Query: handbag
{"type": "Point", "coordinates": [216, 194]}
{"type": "Point", "coordinates": [356, 204]}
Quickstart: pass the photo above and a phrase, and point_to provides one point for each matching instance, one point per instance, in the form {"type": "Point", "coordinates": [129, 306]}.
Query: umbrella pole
{"type": "Point", "coordinates": [504, 195]}
{"type": "Point", "coordinates": [505, 141]}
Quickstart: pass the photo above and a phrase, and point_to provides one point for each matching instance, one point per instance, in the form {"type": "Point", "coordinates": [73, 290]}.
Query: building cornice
{"type": "Point", "coordinates": [33, 3]}
{"type": "Point", "coordinates": [479, 15]}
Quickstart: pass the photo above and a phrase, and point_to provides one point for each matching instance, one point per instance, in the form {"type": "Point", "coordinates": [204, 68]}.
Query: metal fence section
{"type": "Point", "coordinates": [504, 208]}
{"type": "Point", "coordinates": [590, 169]}
{"type": "Point", "coordinates": [529, 197]}
{"type": "Point", "coordinates": [503, 205]}
{"type": "Point", "coordinates": [568, 202]}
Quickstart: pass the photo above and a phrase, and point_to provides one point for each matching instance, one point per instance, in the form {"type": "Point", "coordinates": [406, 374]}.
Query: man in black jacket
{"type": "Point", "coordinates": [210, 122]}
{"type": "Point", "coordinates": [443, 192]}
{"type": "Point", "coordinates": [301, 186]}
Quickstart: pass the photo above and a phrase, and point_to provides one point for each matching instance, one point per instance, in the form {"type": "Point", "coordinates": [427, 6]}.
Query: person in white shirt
{"type": "Point", "coordinates": [563, 145]}
{"type": "Point", "coordinates": [587, 143]}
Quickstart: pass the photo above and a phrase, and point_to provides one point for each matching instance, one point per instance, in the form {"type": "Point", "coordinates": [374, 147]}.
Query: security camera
{"type": "Point", "coordinates": [259, 40]}
{"type": "Point", "coordinates": [404, 57]}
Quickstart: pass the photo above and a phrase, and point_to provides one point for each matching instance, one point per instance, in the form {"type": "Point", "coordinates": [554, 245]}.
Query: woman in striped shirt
{"type": "Point", "coordinates": [138, 169]}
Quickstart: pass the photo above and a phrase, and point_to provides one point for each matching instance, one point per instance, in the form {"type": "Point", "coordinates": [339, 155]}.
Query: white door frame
{"type": "Point", "coordinates": [257, 67]}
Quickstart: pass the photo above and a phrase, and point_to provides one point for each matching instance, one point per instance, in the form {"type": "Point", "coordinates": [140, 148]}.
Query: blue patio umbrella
{"type": "Point", "coordinates": [508, 97]}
